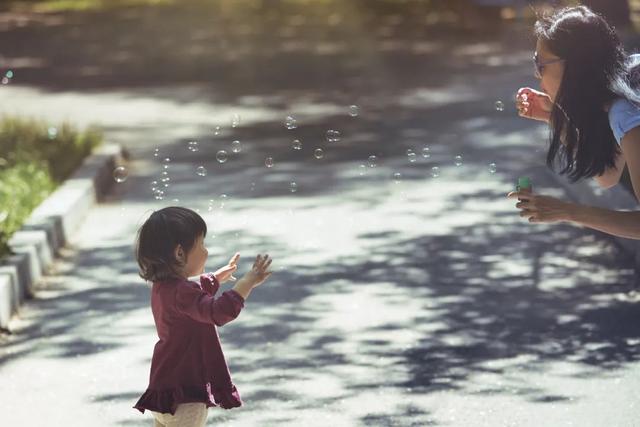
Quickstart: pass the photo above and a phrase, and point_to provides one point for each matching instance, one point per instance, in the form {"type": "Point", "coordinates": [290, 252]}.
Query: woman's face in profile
{"type": "Point", "coordinates": [550, 75]}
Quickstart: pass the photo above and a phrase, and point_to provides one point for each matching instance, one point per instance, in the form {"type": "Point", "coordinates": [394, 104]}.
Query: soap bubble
{"type": "Point", "coordinates": [362, 169]}
{"type": "Point", "coordinates": [493, 168]}
{"type": "Point", "coordinates": [222, 156]}
{"type": "Point", "coordinates": [333, 135]}
{"type": "Point", "coordinates": [167, 160]}
{"type": "Point", "coordinates": [268, 162]}
{"type": "Point", "coordinates": [53, 132]}
{"type": "Point", "coordinates": [293, 187]}
{"type": "Point", "coordinates": [354, 110]}
{"type": "Point", "coordinates": [120, 174]}
{"type": "Point", "coordinates": [223, 200]}
{"type": "Point", "coordinates": [156, 152]}
{"type": "Point", "coordinates": [458, 161]}
{"type": "Point", "coordinates": [296, 144]}
{"type": "Point", "coordinates": [216, 131]}
{"type": "Point", "coordinates": [5, 80]}
{"type": "Point", "coordinates": [9, 74]}
{"type": "Point", "coordinates": [426, 152]}
{"type": "Point", "coordinates": [159, 194]}
{"type": "Point", "coordinates": [236, 146]}
{"type": "Point", "coordinates": [411, 155]}
{"type": "Point", "coordinates": [435, 171]}
{"type": "Point", "coordinates": [201, 171]}
{"type": "Point", "coordinates": [373, 161]}
{"type": "Point", "coordinates": [318, 153]}
{"type": "Point", "coordinates": [235, 121]}
{"type": "Point", "coordinates": [397, 177]}
{"type": "Point", "coordinates": [193, 146]}
{"type": "Point", "coordinates": [290, 122]}
{"type": "Point", "coordinates": [499, 106]}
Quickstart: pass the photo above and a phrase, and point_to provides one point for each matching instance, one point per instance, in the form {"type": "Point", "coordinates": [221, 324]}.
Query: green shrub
{"type": "Point", "coordinates": [34, 160]}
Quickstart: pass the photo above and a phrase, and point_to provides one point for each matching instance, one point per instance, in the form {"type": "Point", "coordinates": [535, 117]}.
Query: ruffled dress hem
{"type": "Point", "coordinates": [167, 401]}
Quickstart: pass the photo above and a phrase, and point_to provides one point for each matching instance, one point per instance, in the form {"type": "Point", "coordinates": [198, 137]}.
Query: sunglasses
{"type": "Point", "coordinates": [539, 66]}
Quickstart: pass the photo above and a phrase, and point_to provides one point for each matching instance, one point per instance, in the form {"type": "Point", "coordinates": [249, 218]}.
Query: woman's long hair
{"type": "Point", "coordinates": [596, 72]}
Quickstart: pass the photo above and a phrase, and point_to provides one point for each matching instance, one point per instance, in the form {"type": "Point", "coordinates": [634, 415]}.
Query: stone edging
{"type": "Point", "coordinates": [49, 227]}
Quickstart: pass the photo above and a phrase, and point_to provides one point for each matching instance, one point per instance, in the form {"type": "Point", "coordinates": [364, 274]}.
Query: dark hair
{"type": "Point", "coordinates": [596, 73]}
{"type": "Point", "coordinates": [160, 235]}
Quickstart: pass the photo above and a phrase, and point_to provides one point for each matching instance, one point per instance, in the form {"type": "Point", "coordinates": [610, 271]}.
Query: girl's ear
{"type": "Point", "coordinates": [178, 253]}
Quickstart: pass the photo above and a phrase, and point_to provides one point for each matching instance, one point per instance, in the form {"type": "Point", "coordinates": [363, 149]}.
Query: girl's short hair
{"type": "Point", "coordinates": [158, 238]}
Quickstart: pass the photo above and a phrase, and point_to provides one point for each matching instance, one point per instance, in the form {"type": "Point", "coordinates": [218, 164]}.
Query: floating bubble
{"type": "Point", "coordinates": [167, 160]}
{"type": "Point", "coordinates": [236, 146]}
{"type": "Point", "coordinates": [411, 155]}
{"type": "Point", "coordinates": [221, 156]}
{"type": "Point", "coordinates": [156, 152]}
{"type": "Point", "coordinates": [333, 135]}
{"type": "Point", "coordinates": [362, 169]}
{"type": "Point", "coordinates": [296, 144]}
{"type": "Point", "coordinates": [268, 162]}
{"type": "Point", "coordinates": [9, 74]}
{"type": "Point", "coordinates": [290, 122]}
{"type": "Point", "coordinates": [5, 80]}
{"type": "Point", "coordinates": [223, 200]}
{"type": "Point", "coordinates": [397, 177]}
{"type": "Point", "coordinates": [201, 171]}
{"type": "Point", "coordinates": [235, 121]}
{"type": "Point", "coordinates": [354, 110]}
{"type": "Point", "coordinates": [499, 106]}
{"type": "Point", "coordinates": [493, 168]}
{"type": "Point", "coordinates": [435, 171]}
{"type": "Point", "coordinates": [159, 194]}
{"type": "Point", "coordinates": [318, 153]}
{"type": "Point", "coordinates": [53, 132]}
{"type": "Point", "coordinates": [120, 174]}
{"type": "Point", "coordinates": [373, 161]}
{"type": "Point", "coordinates": [293, 187]}
{"type": "Point", "coordinates": [216, 131]}
{"type": "Point", "coordinates": [164, 173]}
{"type": "Point", "coordinates": [458, 160]}
{"type": "Point", "coordinates": [426, 152]}
{"type": "Point", "coordinates": [193, 146]}
{"type": "Point", "coordinates": [253, 186]}
{"type": "Point", "coordinates": [165, 167]}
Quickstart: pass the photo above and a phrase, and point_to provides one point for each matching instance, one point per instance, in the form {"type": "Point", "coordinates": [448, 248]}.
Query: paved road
{"type": "Point", "coordinates": [412, 303]}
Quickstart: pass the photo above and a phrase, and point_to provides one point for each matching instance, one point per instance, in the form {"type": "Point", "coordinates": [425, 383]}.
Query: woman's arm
{"type": "Point", "coordinates": [612, 176]}
{"type": "Point", "coordinates": [540, 209]}
{"type": "Point", "coordinates": [617, 223]}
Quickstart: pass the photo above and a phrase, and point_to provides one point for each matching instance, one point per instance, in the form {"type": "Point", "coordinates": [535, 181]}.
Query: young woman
{"type": "Point", "coordinates": [590, 99]}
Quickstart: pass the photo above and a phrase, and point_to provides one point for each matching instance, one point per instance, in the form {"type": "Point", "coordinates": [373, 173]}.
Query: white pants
{"type": "Point", "coordinates": [187, 415]}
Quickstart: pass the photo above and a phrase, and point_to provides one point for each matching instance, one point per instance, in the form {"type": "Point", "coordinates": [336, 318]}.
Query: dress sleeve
{"type": "Point", "coordinates": [623, 117]}
{"type": "Point", "coordinates": [196, 304]}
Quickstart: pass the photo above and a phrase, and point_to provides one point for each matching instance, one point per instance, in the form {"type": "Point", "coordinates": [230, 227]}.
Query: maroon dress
{"type": "Point", "coordinates": [188, 364]}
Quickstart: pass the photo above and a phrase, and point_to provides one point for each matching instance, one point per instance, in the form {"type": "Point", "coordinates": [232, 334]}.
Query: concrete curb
{"type": "Point", "coordinates": [49, 227]}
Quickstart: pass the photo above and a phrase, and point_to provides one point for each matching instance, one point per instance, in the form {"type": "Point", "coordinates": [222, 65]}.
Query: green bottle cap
{"type": "Point", "coordinates": [524, 182]}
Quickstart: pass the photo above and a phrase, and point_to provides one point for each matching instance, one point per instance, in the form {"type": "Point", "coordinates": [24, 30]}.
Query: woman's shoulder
{"type": "Point", "coordinates": [623, 116]}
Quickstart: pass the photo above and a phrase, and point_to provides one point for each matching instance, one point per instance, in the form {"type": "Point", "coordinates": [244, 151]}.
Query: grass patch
{"type": "Point", "coordinates": [34, 159]}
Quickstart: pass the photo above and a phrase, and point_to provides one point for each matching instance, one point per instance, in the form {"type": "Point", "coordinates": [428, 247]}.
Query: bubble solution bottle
{"type": "Point", "coordinates": [524, 185]}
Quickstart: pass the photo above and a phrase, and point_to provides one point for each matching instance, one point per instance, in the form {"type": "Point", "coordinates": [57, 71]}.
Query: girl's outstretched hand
{"type": "Point", "coordinates": [254, 277]}
{"type": "Point", "coordinates": [533, 104]}
{"type": "Point", "coordinates": [225, 273]}
{"type": "Point", "coordinates": [259, 272]}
